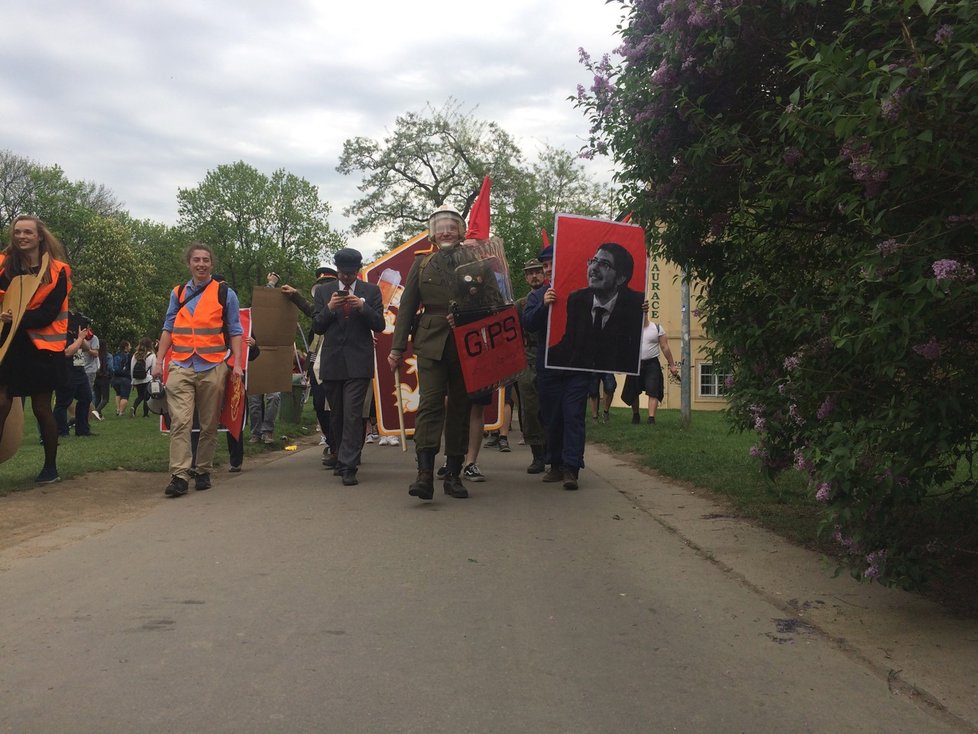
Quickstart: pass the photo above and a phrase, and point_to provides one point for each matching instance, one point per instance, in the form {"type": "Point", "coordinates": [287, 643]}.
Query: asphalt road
{"type": "Point", "coordinates": [281, 601]}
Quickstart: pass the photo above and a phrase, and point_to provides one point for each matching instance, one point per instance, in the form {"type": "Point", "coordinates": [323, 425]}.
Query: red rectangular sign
{"type": "Point", "coordinates": [490, 349]}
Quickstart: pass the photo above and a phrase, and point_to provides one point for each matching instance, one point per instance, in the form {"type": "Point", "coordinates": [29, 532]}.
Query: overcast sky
{"type": "Point", "coordinates": [146, 97]}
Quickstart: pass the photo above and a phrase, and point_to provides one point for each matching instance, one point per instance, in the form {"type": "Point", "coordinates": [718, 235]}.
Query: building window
{"type": "Point", "coordinates": [712, 382]}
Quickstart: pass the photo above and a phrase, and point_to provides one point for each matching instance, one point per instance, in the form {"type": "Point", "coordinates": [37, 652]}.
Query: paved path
{"type": "Point", "coordinates": [281, 601]}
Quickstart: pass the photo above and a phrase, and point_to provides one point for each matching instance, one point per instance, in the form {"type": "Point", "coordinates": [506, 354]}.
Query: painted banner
{"type": "Point", "coordinates": [599, 275]}
{"type": "Point", "coordinates": [490, 349]}
{"type": "Point", "coordinates": [389, 272]}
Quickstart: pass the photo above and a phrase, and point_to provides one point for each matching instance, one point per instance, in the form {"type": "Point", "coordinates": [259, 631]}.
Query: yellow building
{"type": "Point", "coordinates": [664, 294]}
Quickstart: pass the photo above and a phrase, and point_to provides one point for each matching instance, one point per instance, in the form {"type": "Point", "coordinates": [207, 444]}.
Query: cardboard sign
{"type": "Point", "coordinates": [274, 319]}
{"type": "Point", "coordinates": [490, 349]}
{"type": "Point", "coordinates": [389, 272]}
{"type": "Point", "coordinates": [578, 335]}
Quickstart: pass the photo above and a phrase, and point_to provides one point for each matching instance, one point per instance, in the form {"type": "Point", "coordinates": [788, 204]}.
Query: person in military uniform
{"type": "Point", "coordinates": [436, 288]}
{"type": "Point", "coordinates": [527, 382]}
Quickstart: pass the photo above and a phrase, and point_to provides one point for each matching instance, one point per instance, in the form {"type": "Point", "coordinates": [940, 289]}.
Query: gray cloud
{"type": "Point", "coordinates": [145, 98]}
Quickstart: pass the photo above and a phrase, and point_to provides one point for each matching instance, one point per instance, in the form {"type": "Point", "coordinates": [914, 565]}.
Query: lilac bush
{"type": "Point", "coordinates": [812, 164]}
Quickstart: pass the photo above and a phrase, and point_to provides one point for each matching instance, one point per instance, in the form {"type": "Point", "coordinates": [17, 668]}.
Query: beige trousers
{"type": "Point", "coordinates": [188, 392]}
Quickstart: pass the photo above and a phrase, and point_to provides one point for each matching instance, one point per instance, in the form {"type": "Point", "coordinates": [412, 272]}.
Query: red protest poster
{"type": "Point", "coordinates": [599, 275]}
{"type": "Point", "coordinates": [235, 406]}
{"type": "Point", "coordinates": [389, 272]}
{"type": "Point", "coordinates": [490, 349]}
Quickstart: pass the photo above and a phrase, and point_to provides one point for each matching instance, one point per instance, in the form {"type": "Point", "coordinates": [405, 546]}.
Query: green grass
{"type": "Point", "coordinates": [132, 444]}
{"type": "Point", "coordinates": [708, 455]}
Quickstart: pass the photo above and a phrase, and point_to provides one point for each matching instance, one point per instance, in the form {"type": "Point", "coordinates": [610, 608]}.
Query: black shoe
{"type": "Point", "coordinates": [442, 471]}
{"type": "Point", "coordinates": [423, 487]}
{"type": "Point", "coordinates": [48, 475]}
{"type": "Point", "coordinates": [350, 478]}
{"type": "Point", "coordinates": [636, 419]}
{"type": "Point", "coordinates": [234, 468]}
{"type": "Point", "coordinates": [556, 474]}
{"type": "Point", "coordinates": [202, 482]}
{"type": "Point", "coordinates": [504, 444]}
{"type": "Point", "coordinates": [176, 488]}
{"type": "Point", "coordinates": [330, 461]}
{"type": "Point", "coordinates": [651, 420]}
{"type": "Point", "coordinates": [454, 487]}
{"type": "Point", "coordinates": [570, 479]}
{"type": "Point", "coordinates": [537, 467]}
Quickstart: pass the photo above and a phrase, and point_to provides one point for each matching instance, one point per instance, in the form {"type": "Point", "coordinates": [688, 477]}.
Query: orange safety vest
{"type": "Point", "coordinates": [203, 331]}
{"type": "Point", "coordinates": [54, 336]}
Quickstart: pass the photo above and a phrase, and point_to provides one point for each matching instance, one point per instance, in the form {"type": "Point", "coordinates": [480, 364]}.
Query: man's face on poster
{"type": "Point", "coordinates": [602, 278]}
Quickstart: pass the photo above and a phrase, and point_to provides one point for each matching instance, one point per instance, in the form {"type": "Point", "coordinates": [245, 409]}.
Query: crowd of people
{"type": "Point", "coordinates": [51, 355]}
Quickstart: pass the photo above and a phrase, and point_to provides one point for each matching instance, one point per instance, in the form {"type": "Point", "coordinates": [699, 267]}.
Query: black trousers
{"type": "Point", "coordinates": [346, 398]}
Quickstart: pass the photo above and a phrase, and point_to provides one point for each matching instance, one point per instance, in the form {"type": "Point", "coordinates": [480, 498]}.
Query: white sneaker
{"type": "Point", "coordinates": [98, 416]}
{"type": "Point", "coordinates": [371, 437]}
{"type": "Point", "coordinates": [393, 441]}
{"type": "Point", "coordinates": [322, 440]}
{"type": "Point", "coordinates": [382, 441]}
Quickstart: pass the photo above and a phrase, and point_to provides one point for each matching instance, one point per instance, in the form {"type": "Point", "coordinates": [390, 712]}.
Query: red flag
{"type": "Point", "coordinates": [479, 216]}
{"type": "Point", "coordinates": [546, 238]}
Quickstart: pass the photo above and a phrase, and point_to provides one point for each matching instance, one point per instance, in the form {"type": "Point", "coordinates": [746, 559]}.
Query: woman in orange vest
{"type": "Point", "coordinates": [35, 362]}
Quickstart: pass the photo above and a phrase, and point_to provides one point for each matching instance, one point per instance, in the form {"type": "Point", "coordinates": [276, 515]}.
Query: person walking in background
{"type": "Point", "coordinates": [200, 315]}
{"type": "Point", "coordinates": [76, 388]}
{"type": "Point", "coordinates": [602, 381]}
{"type": "Point", "coordinates": [34, 365]}
{"type": "Point", "coordinates": [103, 382]}
{"type": "Point", "coordinates": [316, 387]}
{"type": "Point", "coordinates": [649, 380]}
{"type": "Point", "coordinates": [121, 377]}
{"type": "Point", "coordinates": [348, 311]}
{"type": "Point", "coordinates": [140, 369]}
{"type": "Point", "coordinates": [526, 383]}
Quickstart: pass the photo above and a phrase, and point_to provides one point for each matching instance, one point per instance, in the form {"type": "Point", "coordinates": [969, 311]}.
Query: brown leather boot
{"type": "Point", "coordinates": [424, 486]}
{"type": "Point", "coordinates": [554, 474]}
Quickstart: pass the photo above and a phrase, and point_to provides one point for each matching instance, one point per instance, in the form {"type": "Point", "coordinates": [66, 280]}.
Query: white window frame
{"type": "Point", "coordinates": [710, 380]}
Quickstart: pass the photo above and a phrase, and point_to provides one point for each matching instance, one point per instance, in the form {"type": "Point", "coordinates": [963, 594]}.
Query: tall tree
{"type": "Point", "coordinates": [435, 157]}
{"type": "Point", "coordinates": [258, 223]}
{"type": "Point", "coordinates": [26, 187]}
{"type": "Point", "coordinates": [813, 164]}
{"type": "Point", "coordinates": [105, 277]}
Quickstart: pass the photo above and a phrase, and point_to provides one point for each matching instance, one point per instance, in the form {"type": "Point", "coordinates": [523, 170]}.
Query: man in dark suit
{"type": "Point", "coordinates": [604, 320]}
{"type": "Point", "coordinates": [347, 311]}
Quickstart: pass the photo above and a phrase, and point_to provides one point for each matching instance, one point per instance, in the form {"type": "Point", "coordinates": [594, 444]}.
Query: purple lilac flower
{"type": "Point", "coordinates": [824, 493]}
{"type": "Point", "coordinates": [795, 415]}
{"type": "Point", "coordinates": [963, 219]}
{"type": "Point", "coordinates": [944, 34]}
{"type": "Point", "coordinates": [891, 107]}
{"type": "Point", "coordinates": [929, 350]}
{"type": "Point", "coordinates": [697, 313]}
{"type": "Point", "coordinates": [888, 247]}
{"type": "Point", "coordinates": [760, 424]}
{"type": "Point", "coordinates": [757, 452]}
{"type": "Point", "coordinates": [846, 542]}
{"type": "Point", "coordinates": [875, 560]}
{"type": "Point", "coordinates": [801, 462]}
{"type": "Point", "coordinates": [826, 408]}
{"type": "Point", "coordinates": [792, 363]}
{"type": "Point", "coordinates": [791, 156]}
{"type": "Point", "coordinates": [953, 270]}
{"type": "Point", "coordinates": [791, 108]}
{"type": "Point", "coordinates": [728, 381]}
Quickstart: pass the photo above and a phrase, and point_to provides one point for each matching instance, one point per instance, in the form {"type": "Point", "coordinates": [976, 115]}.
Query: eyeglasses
{"type": "Point", "coordinates": [603, 264]}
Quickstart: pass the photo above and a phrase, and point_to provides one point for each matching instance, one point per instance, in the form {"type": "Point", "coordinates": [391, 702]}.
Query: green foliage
{"type": "Point", "coordinates": [103, 278]}
{"type": "Point", "coordinates": [441, 156]}
{"type": "Point", "coordinates": [813, 165]}
{"type": "Point", "coordinates": [257, 224]}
